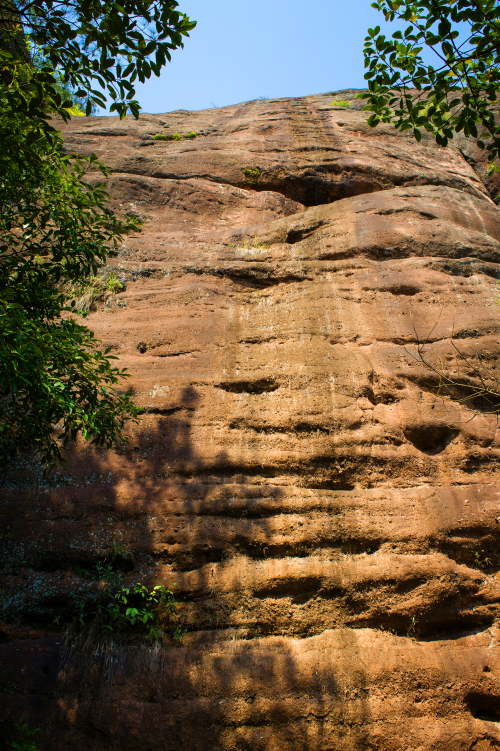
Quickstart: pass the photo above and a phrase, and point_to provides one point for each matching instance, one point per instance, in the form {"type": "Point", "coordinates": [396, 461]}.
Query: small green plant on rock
{"type": "Point", "coordinates": [252, 174]}
{"type": "Point", "coordinates": [412, 627]}
{"type": "Point", "coordinates": [251, 245]}
{"type": "Point", "coordinates": [95, 289]}
{"type": "Point", "coordinates": [24, 742]}
{"type": "Point", "coordinates": [178, 633]}
{"type": "Point", "coordinates": [113, 284]}
{"type": "Point", "coordinates": [127, 610]}
{"type": "Point", "coordinates": [341, 103]}
{"type": "Point", "coordinates": [119, 550]}
{"type": "Point", "coordinates": [482, 562]}
{"type": "Point", "coordinates": [173, 137]}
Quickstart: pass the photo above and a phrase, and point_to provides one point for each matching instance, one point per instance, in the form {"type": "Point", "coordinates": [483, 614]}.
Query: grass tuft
{"type": "Point", "coordinates": [95, 289]}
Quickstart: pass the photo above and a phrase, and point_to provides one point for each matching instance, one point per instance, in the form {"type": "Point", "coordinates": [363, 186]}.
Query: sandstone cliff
{"type": "Point", "coordinates": [332, 526]}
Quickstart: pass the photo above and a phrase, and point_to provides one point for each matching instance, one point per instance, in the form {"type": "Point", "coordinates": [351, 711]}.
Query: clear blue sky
{"type": "Point", "coordinates": [245, 49]}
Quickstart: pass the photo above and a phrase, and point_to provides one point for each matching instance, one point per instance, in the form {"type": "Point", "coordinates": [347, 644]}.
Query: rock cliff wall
{"type": "Point", "coordinates": [332, 525]}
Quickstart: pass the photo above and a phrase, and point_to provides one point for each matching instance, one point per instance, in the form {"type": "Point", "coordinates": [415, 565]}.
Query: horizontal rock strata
{"type": "Point", "coordinates": [331, 522]}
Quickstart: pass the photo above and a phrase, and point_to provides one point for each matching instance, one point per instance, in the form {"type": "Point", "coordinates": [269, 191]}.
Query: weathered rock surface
{"type": "Point", "coordinates": [332, 525]}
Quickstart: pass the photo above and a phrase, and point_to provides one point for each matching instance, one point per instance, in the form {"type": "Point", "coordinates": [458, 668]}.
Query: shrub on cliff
{"type": "Point", "coordinates": [455, 94]}
{"type": "Point", "coordinates": [55, 228]}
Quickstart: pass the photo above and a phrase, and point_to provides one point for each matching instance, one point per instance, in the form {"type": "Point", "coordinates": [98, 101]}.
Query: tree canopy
{"type": "Point", "coordinates": [456, 94]}
{"type": "Point", "coordinates": [106, 43]}
{"type": "Point", "coordinates": [56, 230]}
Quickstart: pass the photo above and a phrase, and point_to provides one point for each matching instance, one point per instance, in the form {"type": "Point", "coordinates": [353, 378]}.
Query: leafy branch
{"type": "Point", "coordinates": [55, 382]}
{"type": "Point", "coordinates": [457, 94]}
{"type": "Point", "coordinates": [87, 44]}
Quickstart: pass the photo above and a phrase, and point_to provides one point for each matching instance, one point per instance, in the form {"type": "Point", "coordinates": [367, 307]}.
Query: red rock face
{"type": "Point", "coordinates": [332, 525]}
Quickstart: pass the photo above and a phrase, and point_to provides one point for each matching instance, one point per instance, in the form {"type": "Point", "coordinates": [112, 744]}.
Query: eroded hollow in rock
{"type": "Point", "coordinates": [258, 386]}
{"type": "Point", "coordinates": [429, 438]}
{"type": "Point", "coordinates": [483, 706]}
{"type": "Point", "coordinates": [313, 188]}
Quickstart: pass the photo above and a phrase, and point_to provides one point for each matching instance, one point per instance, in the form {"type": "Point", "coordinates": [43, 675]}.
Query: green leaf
{"type": "Point", "coordinates": [467, 76]}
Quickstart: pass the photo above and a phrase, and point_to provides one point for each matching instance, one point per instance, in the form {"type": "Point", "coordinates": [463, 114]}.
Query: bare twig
{"type": "Point", "coordinates": [478, 385]}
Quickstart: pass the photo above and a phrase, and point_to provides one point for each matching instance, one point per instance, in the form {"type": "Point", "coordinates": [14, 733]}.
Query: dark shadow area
{"type": "Point", "coordinates": [484, 707]}
{"type": "Point", "coordinates": [213, 693]}
{"type": "Point", "coordinates": [315, 186]}
{"type": "Point", "coordinates": [241, 386]}
{"type": "Point", "coordinates": [465, 267]}
{"type": "Point", "coordinates": [430, 438]}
